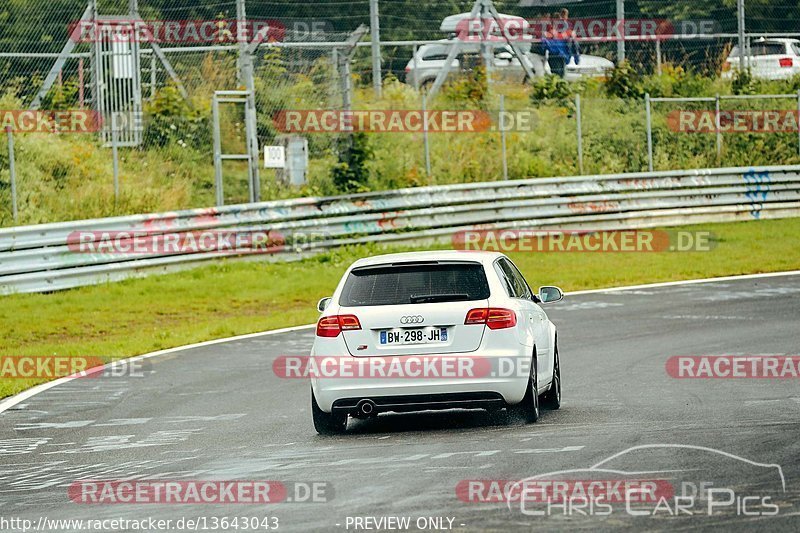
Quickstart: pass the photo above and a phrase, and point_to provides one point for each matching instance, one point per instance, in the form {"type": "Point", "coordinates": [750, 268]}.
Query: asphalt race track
{"type": "Point", "coordinates": [219, 413]}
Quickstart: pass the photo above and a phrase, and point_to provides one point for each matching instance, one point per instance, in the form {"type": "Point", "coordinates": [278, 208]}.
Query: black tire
{"type": "Point", "coordinates": [552, 398]}
{"type": "Point", "coordinates": [528, 408]}
{"type": "Point", "coordinates": [327, 423]}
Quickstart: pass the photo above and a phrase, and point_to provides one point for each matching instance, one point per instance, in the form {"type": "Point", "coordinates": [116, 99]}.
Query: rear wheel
{"type": "Point", "coordinates": [552, 398]}
{"type": "Point", "coordinates": [327, 423]}
{"type": "Point", "coordinates": [528, 408]}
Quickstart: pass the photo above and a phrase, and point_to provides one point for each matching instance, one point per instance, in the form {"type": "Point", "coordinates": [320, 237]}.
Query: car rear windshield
{"type": "Point", "coordinates": [762, 49]}
{"type": "Point", "coordinates": [415, 283]}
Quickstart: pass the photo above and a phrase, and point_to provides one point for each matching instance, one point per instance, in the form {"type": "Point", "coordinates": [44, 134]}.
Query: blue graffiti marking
{"type": "Point", "coordinates": [758, 187]}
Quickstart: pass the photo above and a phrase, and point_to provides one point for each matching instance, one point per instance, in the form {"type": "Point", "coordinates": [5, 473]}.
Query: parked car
{"type": "Point", "coordinates": [430, 60]}
{"type": "Point", "coordinates": [771, 59]}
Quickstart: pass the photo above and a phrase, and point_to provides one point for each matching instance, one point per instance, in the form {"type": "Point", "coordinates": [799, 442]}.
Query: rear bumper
{"type": "Point", "coordinates": [423, 393]}
{"type": "Point", "coordinates": [423, 402]}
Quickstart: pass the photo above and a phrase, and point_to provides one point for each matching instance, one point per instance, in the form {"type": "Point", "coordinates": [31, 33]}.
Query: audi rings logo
{"type": "Point", "coordinates": [414, 319]}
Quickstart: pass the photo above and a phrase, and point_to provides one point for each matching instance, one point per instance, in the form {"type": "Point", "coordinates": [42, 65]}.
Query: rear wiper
{"type": "Point", "coordinates": [416, 299]}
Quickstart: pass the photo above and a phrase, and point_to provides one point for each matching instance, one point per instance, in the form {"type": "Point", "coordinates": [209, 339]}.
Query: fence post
{"type": "Point", "coordinates": [416, 72]}
{"type": "Point", "coordinates": [718, 127]}
{"type": "Point", "coordinates": [579, 131]}
{"type": "Point", "coordinates": [425, 135]}
{"type": "Point", "coordinates": [649, 128]}
{"type": "Point", "coordinates": [218, 193]}
{"type": "Point", "coordinates": [501, 123]}
{"type": "Point", "coordinates": [620, 35]}
{"type": "Point", "coordinates": [744, 60]}
{"type": "Point", "coordinates": [12, 172]}
{"type": "Point", "coordinates": [375, 33]}
{"type": "Point", "coordinates": [658, 56]}
{"type": "Point", "coordinates": [115, 156]}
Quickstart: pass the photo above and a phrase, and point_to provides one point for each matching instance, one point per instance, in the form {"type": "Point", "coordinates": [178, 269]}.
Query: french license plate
{"type": "Point", "coordinates": [413, 336]}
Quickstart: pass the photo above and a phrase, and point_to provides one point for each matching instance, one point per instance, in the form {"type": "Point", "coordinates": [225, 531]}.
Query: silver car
{"type": "Point", "coordinates": [421, 70]}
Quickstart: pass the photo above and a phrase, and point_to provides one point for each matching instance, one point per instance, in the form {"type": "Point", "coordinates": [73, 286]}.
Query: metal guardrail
{"type": "Point", "coordinates": [39, 258]}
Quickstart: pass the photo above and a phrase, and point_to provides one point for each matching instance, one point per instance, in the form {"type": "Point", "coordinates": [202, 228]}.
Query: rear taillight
{"type": "Point", "coordinates": [331, 326]}
{"type": "Point", "coordinates": [785, 61]}
{"type": "Point", "coordinates": [726, 66]}
{"type": "Point", "coordinates": [493, 317]}
{"type": "Point", "coordinates": [408, 68]}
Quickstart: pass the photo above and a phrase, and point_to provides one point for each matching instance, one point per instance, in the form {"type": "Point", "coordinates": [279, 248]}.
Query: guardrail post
{"type": "Point", "coordinates": [579, 132]}
{"type": "Point", "coordinates": [425, 135]}
{"type": "Point", "coordinates": [501, 123]}
{"type": "Point", "coordinates": [12, 171]}
{"type": "Point", "coordinates": [649, 128]}
{"type": "Point", "coordinates": [718, 127]}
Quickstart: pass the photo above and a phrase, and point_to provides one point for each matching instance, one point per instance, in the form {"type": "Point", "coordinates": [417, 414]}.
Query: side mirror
{"type": "Point", "coordinates": [549, 295]}
{"type": "Point", "coordinates": [323, 304]}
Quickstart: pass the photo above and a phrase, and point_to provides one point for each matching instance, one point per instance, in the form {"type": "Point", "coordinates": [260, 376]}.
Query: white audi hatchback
{"type": "Point", "coordinates": [433, 330]}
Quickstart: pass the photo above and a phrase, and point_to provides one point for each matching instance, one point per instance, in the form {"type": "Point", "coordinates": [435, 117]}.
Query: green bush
{"type": "Point", "coordinates": [351, 174]}
{"type": "Point", "coordinates": [624, 82]}
{"type": "Point", "coordinates": [172, 120]}
{"type": "Point", "coordinates": [551, 89]}
{"type": "Point", "coordinates": [743, 82]}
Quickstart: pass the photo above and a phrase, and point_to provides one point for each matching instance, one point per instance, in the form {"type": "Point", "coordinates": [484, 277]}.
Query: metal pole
{"type": "Point", "coordinates": [246, 77]}
{"type": "Point", "coordinates": [620, 31]}
{"type": "Point", "coordinates": [220, 198]}
{"type": "Point", "coordinates": [81, 90]}
{"type": "Point", "coordinates": [649, 128]}
{"type": "Point", "coordinates": [580, 132]}
{"type": "Point", "coordinates": [486, 47]}
{"type": "Point", "coordinates": [718, 127]}
{"type": "Point", "coordinates": [375, 34]}
{"type": "Point", "coordinates": [416, 72]}
{"type": "Point", "coordinates": [153, 76]}
{"type": "Point", "coordinates": [425, 135]}
{"type": "Point", "coordinates": [658, 56]}
{"type": "Point", "coordinates": [12, 171]}
{"type": "Point", "coordinates": [502, 125]}
{"type": "Point", "coordinates": [115, 156]}
{"type": "Point", "coordinates": [744, 61]}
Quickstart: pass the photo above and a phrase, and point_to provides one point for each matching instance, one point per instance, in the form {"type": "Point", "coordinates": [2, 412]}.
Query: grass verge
{"type": "Point", "coordinates": [132, 317]}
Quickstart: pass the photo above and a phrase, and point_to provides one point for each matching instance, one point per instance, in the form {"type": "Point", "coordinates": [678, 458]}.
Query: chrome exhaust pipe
{"type": "Point", "coordinates": [365, 408]}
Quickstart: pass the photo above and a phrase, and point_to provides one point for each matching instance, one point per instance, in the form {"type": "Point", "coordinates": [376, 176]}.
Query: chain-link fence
{"type": "Point", "coordinates": [140, 78]}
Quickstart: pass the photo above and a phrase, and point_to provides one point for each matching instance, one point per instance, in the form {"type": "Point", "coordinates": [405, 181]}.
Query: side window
{"type": "Point", "coordinates": [504, 279]}
{"type": "Point", "coordinates": [515, 283]}
{"type": "Point", "coordinates": [518, 279]}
